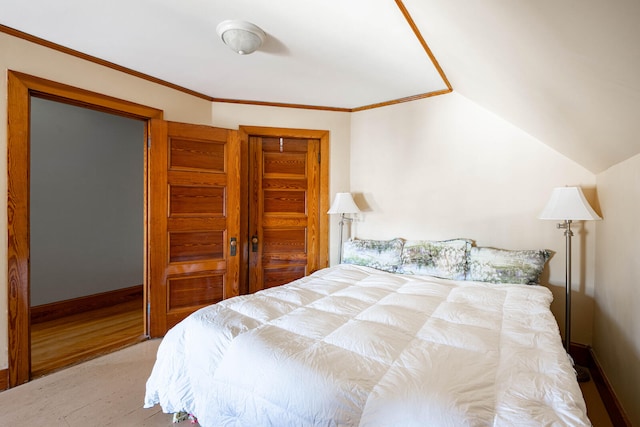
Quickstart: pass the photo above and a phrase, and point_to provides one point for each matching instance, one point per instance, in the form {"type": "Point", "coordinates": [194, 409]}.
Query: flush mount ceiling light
{"type": "Point", "coordinates": [241, 36]}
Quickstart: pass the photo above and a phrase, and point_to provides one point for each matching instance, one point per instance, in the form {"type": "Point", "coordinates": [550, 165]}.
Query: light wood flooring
{"type": "Point", "coordinates": [109, 396]}
{"type": "Point", "coordinates": [63, 342]}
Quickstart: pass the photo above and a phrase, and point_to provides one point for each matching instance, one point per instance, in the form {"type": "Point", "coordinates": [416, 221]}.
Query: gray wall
{"type": "Point", "coordinates": [86, 209]}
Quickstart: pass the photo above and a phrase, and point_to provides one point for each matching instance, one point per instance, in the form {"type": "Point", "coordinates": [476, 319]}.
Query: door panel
{"type": "Point", "coordinates": [284, 211]}
{"type": "Point", "coordinates": [194, 214]}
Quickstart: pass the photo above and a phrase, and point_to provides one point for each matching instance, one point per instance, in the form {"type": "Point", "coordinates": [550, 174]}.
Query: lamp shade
{"type": "Point", "coordinates": [343, 203]}
{"type": "Point", "coordinates": [241, 36]}
{"type": "Point", "coordinates": [568, 203]}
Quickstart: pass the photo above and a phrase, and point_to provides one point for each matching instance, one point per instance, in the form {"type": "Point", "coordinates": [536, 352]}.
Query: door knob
{"type": "Point", "coordinates": [233, 245]}
{"type": "Point", "coordinates": [254, 243]}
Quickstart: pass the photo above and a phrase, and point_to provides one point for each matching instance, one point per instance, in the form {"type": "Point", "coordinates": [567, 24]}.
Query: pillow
{"type": "Point", "coordinates": [381, 254]}
{"type": "Point", "coordinates": [506, 266]}
{"type": "Point", "coordinates": [446, 259]}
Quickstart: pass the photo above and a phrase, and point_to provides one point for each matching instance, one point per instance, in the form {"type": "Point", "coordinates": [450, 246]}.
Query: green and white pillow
{"type": "Point", "coordinates": [380, 254]}
{"type": "Point", "coordinates": [506, 266]}
{"type": "Point", "coordinates": [446, 259]}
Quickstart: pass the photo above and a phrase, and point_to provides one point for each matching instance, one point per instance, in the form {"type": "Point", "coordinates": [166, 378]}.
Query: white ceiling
{"type": "Point", "coordinates": [330, 53]}
{"type": "Point", "coordinates": [566, 72]}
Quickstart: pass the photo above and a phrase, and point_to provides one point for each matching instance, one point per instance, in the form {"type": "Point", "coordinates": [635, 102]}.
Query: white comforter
{"type": "Point", "coordinates": [352, 345]}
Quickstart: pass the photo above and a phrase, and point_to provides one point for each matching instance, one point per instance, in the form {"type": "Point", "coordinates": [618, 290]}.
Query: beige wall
{"type": "Point", "coordinates": [443, 167]}
{"type": "Point", "coordinates": [616, 336]}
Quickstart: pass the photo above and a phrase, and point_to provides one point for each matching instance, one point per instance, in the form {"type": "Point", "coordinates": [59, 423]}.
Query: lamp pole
{"type": "Point", "coordinates": [343, 219]}
{"type": "Point", "coordinates": [581, 374]}
{"type": "Point", "coordinates": [567, 311]}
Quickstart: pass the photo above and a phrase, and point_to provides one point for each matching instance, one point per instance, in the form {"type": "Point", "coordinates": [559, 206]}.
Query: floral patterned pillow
{"type": "Point", "coordinates": [446, 259]}
{"type": "Point", "coordinates": [506, 266]}
{"type": "Point", "coordinates": [381, 254]}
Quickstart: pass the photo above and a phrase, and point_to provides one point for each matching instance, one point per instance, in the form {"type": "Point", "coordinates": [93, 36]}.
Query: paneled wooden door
{"type": "Point", "coordinates": [284, 209]}
{"type": "Point", "coordinates": [194, 219]}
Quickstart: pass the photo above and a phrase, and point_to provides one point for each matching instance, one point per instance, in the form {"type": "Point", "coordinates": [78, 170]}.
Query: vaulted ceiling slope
{"type": "Point", "coordinates": [565, 72]}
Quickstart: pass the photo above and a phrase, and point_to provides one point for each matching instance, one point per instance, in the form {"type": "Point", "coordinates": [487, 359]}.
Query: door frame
{"type": "Point", "coordinates": [244, 132]}
{"type": "Point", "coordinates": [20, 89]}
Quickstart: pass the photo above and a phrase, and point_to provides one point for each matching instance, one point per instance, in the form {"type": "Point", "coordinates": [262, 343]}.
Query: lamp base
{"type": "Point", "coordinates": [582, 374]}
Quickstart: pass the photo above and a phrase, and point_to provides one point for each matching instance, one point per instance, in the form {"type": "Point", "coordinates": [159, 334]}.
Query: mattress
{"type": "Point", "coordinates": [351, 345]}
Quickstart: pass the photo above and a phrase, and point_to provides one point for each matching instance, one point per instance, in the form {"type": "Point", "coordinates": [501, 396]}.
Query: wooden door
{"type": "Point", "coordinates": [194, 219]}
{"type": "Point", "coordinates": [284, 217]}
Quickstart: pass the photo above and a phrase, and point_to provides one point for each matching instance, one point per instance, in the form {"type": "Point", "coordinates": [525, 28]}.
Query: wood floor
{"type": "Point", "coordinates": [72, 339]}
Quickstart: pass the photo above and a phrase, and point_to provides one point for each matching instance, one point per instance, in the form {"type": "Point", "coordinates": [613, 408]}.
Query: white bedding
{"type": "Point", "coordinates": [351, 345]}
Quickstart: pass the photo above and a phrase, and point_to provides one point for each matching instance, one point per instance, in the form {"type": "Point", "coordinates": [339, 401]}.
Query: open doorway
{"type": "Point", "coordinates": [21, 88]}
{"type": "Point", "coordinates": [86, 233]}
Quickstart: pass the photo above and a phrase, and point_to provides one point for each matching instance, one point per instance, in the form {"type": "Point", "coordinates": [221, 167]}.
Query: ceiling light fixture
{"type": "Point", "coordinates": [241, 36]}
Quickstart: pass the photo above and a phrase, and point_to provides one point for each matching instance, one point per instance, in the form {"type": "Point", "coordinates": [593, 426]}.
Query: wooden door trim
{"type": "Point", "coordinates": [20, 88]}
{"type": "Point", "coordinates": [323, 136]}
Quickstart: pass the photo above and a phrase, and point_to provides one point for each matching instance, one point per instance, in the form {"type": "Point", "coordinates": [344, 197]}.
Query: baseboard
{"type": "Point", "coordinates": [583, 355]}
{"type": "Point", "coordinates": [608, 396]}
{"type": "Point", "coordinates": [56, 310]}
{"type": "Point", "coordinates": [580, 353]}
{"type": "Point", "coordinates": [4, 379]}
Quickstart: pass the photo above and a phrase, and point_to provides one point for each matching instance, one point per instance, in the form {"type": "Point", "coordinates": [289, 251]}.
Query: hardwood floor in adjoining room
{"type": "Point", "coordinates": [59, 343]}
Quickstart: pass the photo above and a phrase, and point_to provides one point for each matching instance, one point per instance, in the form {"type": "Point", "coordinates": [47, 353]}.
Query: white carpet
{"type": "Point", "coordinates": [106, 391]}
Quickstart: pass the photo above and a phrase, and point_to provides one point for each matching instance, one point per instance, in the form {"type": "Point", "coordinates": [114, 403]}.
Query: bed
{"type": "Point", "coordinates": [354, 345]}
